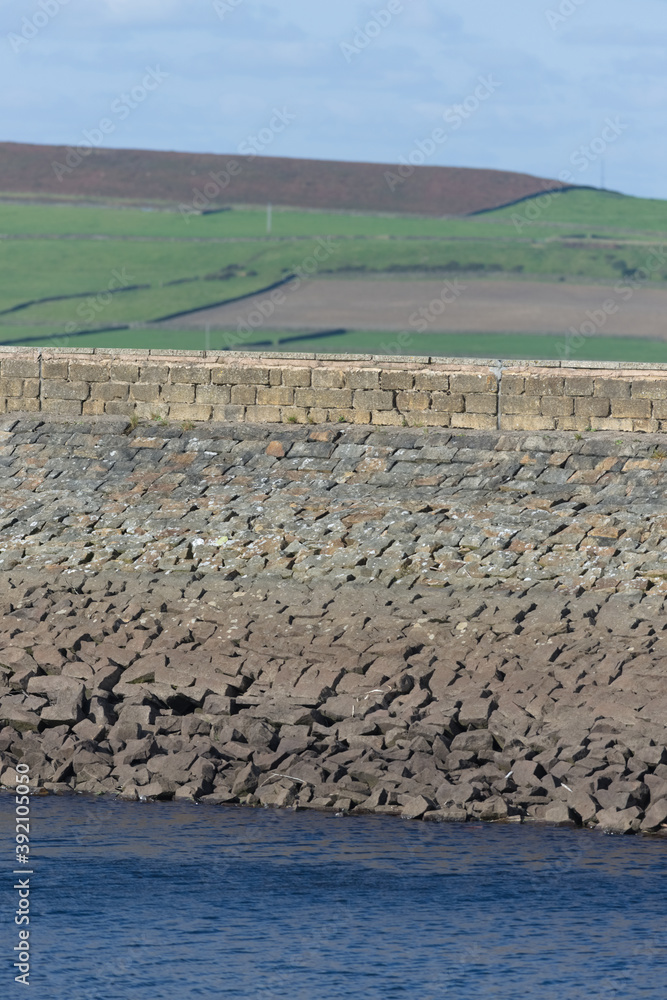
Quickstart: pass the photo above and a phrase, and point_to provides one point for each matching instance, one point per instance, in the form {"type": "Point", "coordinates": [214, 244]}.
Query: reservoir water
{"type": "Point", "coordinates": [172, 901]}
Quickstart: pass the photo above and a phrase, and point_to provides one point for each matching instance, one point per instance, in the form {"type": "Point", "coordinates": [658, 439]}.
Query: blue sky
{"type": "Point", "coordinates": [355, 80]}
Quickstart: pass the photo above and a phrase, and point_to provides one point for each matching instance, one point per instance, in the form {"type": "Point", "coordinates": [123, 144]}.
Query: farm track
{"type": "Point", "coordinates": [459, 304]}
{"type": "Point", "coordinates": [611, 243]}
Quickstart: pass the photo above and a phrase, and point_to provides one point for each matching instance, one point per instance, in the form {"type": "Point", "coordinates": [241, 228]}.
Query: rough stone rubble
{"type": "Point", "coordinates": [413, 622]}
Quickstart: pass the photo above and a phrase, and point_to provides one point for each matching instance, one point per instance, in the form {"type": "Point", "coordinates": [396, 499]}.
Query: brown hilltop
{"type": "Point", "coordinates": [176, 178]}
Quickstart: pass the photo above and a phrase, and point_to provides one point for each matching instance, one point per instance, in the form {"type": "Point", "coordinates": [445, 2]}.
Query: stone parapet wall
{"type": "Point", "coordinates": [473, 394]}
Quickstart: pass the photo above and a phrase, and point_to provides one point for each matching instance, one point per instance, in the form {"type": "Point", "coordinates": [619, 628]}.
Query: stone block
{"type": "Point", "coordinates": [154, 373]}
{"type": "Point", "coordinates": [295, 415]}
{"type": "Point", "coordinates": [557, 406]}
{"type": "Point", "coordinates": [31, 388]}
{"type": "Point", "coordinates": [351, 416]}
{"type": "Point", "coordinates": [474, 421]}
{"type": "Point", "coordinates": [177, 393]}
{"type": "Point", "coordinates": [519, 404]}
{"type": "Point", "coordinates": [109, 390]}
{"type": "Point", "coordinates": [148, 410]}
{"type": "Point", "coordinates": [397, 379]}
{"type": "Point", "coordinates": [645, 426]}
{"type": "Point", "coordinates": [447, 402]}
{"type": "Point", "coordinates": [189, 411]}
{"type": "Point", "coordinates": [415, 418]}
{"type": "Point", "coordinates": [62, 407]}
{"type": "Point", "coordinates": [52, 368]}
{"type": "Point", "coordinates": [19, 368]}
{"type": "Point", "coordinates": [214, 394]}
{"type": "Point", "coordinates": [526, 422]}
{"type": "Point", "coordinates": [238, 375]}
{"type": "Point", "coordinates": [582, 386]}
{"type": "Point", "coordinates": [413, 400]}
{"type": "Point", "coordinates": [432, 418]}
{"type": "Point", "coordinates": [324, 397]}
{"type": "Point", "coordinates": [229, 414]}
{"type": "Point", "coordinates": [11, 386]}
{"type": "Point", "coordinates": [280, 395]}
{"type": "Point", "coordinates": [93, 408]}
{"type": "Point", "coordinates": [387, 418]}
{"type": "Point", "coordinates": [543, 385]}
{"type": "Point", "coordinates": [660, 409]}
{"type": "Point", "coordinates": [296, 377]}
{"type": "Point", "coordinates": [604, 423]}
{"type": "Point", "coordinates": [467, 382]}
{"type": "Point", "coordinates": [327, 378]}
{"type": "Point", "coordinates": [591, 406]}
{"type": "Point", "coordinates": [123, 372]}
{"type": "Point", "coordinates": [373, 399]}
{"type": "Point", "coordinates": [19, 404]}
{"type": "Point", "coordinates": [569, 423]}
{"type": "Point", "coordinates": [245, 395]}
{"type": "Point", "coordinates": [148, 392]}
{"type": "Point", "coordinates": [647, 389]}
{"type": "Point", "coordinates": [432, 381]}
{"type": "Point", "coordinates": [513, 385]}
{"type": "Point", "coordinates": [481, 402]}
{"type": "Point", "coordinates": [119, 408]}
{"type": "Point", "coordinates": [89, 371]}
{"type": "Point", "coordinates": [60, 389]}
{"type": "Point", "coordinates": [612, 388]}
{"type": "Point", "coordinates": [631, 408]}
{"type": "Point", "coordinates": [263, 415]}
{"type": "Point", "coordinates": [190, 374]}
{"type": "Point", "coordinates": [363, 378]}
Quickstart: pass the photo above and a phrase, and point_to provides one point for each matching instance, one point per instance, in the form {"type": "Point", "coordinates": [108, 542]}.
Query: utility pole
{"type": "Point", "coordinates": [602, 173]}
{"type": "Point", "coordinates": [269, 217]}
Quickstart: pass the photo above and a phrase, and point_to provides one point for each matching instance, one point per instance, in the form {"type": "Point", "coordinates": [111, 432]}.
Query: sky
{"type": "Point", "coordinates": [546, 87]}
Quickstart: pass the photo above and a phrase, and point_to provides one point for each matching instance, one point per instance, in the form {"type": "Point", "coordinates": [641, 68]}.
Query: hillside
{"type": "Point", "coordinates": [112, 275]}
{"type": "Point", "coordinates": [185, 178]}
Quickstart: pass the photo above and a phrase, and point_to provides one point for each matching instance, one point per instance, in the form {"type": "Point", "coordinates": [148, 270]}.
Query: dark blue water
{"type": "Point", "coordinates": [145, 902]}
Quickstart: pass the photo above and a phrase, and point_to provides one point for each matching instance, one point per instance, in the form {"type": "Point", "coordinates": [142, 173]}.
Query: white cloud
{"type": "Point", "coordinates": [226, 75]}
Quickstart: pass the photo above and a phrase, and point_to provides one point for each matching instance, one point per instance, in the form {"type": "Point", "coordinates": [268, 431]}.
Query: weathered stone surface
{"type": "Point", "coordinates": [619, 820]}
{"type": "Point", "coordinates": [416, 806]}
{"type": "Point", "coordinates": [352, 618]}
{"type": "Point", "coordinates": [655, 816]}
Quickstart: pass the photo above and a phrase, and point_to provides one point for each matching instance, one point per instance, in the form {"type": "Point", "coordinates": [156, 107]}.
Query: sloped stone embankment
{"type": "Point", "coordinates": [412, 622]}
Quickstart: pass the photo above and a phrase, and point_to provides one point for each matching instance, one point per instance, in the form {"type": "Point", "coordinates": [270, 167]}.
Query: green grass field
{"type": "Point", "coordinates": [599, 211]}
{"type": "Point", "coordinates": [106, 267]}
{"type": "Point", "coordinates": [587, 210]}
